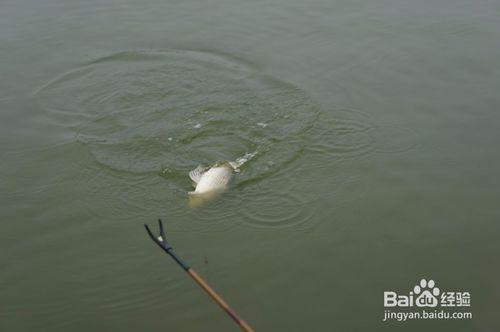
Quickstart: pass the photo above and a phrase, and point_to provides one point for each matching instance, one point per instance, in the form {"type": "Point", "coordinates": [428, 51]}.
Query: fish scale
{"type": "Point", "coordinates": [216, 178]}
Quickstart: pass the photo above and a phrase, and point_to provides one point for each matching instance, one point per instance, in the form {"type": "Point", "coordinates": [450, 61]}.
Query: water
{"type": "Point", "coordinates": [369, 135]}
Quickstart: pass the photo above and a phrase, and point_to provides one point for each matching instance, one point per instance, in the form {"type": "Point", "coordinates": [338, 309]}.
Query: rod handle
{"type": "Point", "coordinates": [241, 323]}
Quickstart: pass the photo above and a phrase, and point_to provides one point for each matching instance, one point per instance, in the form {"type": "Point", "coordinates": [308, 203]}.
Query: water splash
{"type": "Point", "coordinates": [239, 162]}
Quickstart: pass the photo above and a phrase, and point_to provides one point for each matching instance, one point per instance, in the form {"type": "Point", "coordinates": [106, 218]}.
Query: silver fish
{"type": "Point", "coordinates": [210, 181]}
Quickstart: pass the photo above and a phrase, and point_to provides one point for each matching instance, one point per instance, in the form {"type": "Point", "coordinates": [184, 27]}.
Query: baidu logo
{"type": "Point", "coordinates": [425, 294]}
{"type": "Point", "coordinates": [422, 300]}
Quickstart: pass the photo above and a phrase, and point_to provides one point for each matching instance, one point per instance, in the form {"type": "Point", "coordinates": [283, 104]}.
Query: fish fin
{"type": "Point", "coordinates": [196, 173]}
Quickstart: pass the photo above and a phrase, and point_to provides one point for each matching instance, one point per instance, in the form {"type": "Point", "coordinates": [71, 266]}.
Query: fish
{"type": "Point", "coordinates": [210, 181]}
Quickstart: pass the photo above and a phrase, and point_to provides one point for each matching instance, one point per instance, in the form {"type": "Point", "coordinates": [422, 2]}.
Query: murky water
{"type": "Point", "coordinates": [367, 135]}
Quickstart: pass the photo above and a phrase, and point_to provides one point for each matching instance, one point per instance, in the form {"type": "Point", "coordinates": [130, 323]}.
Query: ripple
{"type": "Point", "coordinates": [218, 216]}
{"type": "Point", "coordinates": [278, 202]}
{"type": "Point", "coordinates": [283, 210]}
{"type": "Point", "coordinates": [143, 111]}
{"type": "Point", "coordinates": [349, 133]}
{"type": "Point", "coordinates": [343, 133]}
{"type": "Point", "coordinates": [394, 139]}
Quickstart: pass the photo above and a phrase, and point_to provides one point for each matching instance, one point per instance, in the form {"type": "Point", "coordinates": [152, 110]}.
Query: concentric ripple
{"type": "Point", "coordinates": [287, 209]}
{"type": "Point", "coordinates": [394, 139]}
{"type": "Point", "coordinates": [347, 133]}
{"type": "Point", "coordinates": [165, 112]}
{"type": "Point", "coordinates": [282, 201]}
{"type": "Point", "coordinates": [144, 111]}
{"type": "Point", "coordinates": [343, 133]}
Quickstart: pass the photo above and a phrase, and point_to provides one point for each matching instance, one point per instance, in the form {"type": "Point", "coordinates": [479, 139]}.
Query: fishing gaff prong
{"type": "Point", "coordinates": [162, 232]}
{"type": "Point", "coordinates": [161, 241]}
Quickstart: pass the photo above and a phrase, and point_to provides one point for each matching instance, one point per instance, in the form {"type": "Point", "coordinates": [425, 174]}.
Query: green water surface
{"type": "Point", "coordinates": [373, 128]}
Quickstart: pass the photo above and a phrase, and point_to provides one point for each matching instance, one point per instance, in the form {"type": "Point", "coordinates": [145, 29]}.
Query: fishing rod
{"type": "Point", "coordinates": [161, 241]}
